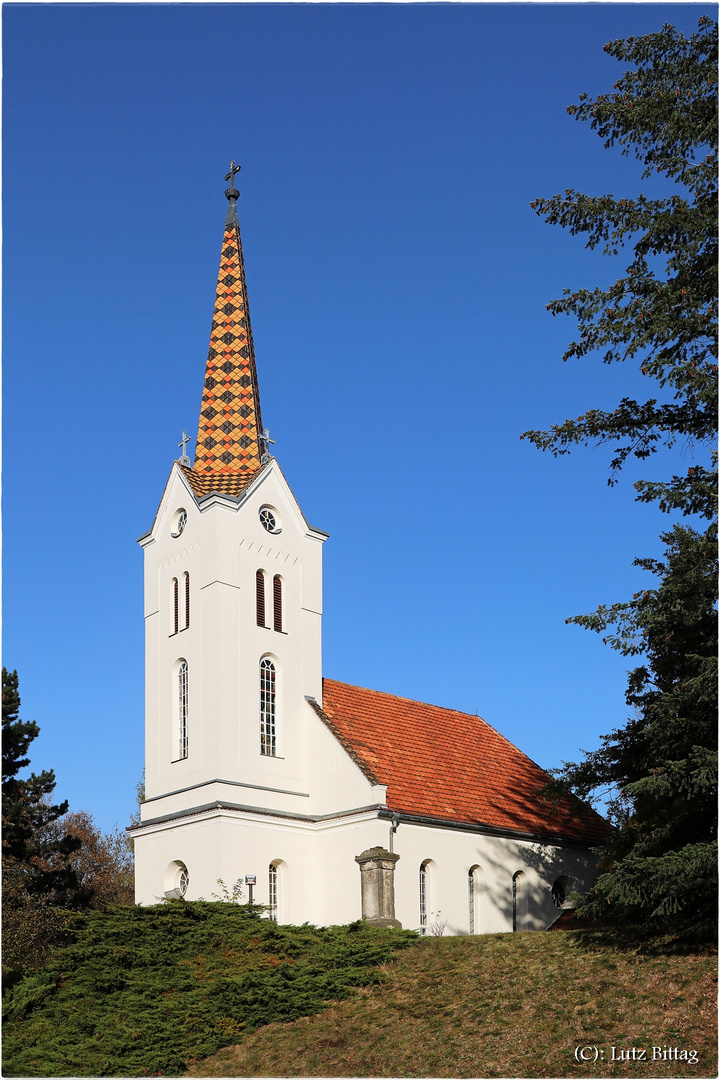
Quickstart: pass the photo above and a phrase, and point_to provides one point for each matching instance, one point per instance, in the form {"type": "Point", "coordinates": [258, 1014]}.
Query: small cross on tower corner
{"type": "Point", "coordinates": [266, 441]}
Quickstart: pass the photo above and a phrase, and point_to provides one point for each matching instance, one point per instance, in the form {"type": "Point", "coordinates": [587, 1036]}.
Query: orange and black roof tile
{"type": "Point", "coordinates": [229, 448]}
{"type": "Point", "coordinates": [447, 765]}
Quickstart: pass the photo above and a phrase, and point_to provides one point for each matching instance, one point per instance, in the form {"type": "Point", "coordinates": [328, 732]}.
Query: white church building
{"type": "Point", "coordinates": [258, 766]}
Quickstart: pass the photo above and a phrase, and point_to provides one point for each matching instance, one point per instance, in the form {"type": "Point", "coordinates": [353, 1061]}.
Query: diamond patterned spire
{"type": "Point", "coordinates": [229, 446]}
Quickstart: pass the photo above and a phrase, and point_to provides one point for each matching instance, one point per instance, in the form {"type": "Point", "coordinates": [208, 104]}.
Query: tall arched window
{"type": "Point", "coordinates": [182, 710]}
{"type": "Point", "coordinates": [260, 597]}
{"type": "Point", "coordinates": [187, 599]}
{"type": "Point", "coordinates": [175, 606]}
{"type": "Point", "coordinates": [267, 707]}
{"type": "Point", "coordinates": [424, 895]}
{"type": "Point", "coordinates": [519, 901]}
{"type": "Point", "coordinates": [277, 603]}
{"type": "Point", "coordinates": [474, 898]}
{"type": "Point", "coordinates": [560, 892]}
{"type": "Point", "coordinates": [273, 892]}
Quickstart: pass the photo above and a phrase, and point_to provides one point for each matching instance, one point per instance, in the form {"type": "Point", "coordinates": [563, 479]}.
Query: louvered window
{"type": "Point", "coordinates": [267, 707]}
{"type": "Point", "coordinates": [176, 605]}
{"type": "Point", "coordinates": [187, 600]}
{"type": "Point", "coordinates": [277, 603]}
{"type": "Point", "coordinates": [182, 710]}
{"type": "Point", "coordinates": [260, 597]}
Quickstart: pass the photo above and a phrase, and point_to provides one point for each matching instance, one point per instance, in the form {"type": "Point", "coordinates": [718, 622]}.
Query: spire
{"type": "Point", "coordinates": [230, 446]}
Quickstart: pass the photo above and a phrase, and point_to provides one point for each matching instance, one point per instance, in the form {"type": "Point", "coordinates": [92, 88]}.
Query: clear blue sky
{"type": "Point", "coordinates": [398, 281]}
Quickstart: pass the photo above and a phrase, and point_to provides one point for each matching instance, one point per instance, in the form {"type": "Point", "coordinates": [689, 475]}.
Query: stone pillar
{"type": "Point", "coordinates": [377, 882]}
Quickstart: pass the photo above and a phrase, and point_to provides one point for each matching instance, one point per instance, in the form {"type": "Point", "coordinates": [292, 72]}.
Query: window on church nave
{"type": "Point", "coordinates": [273, 892]}
{"type": "Point", "coordinates": [182, 710]}
{"type": "Point", "coordinates": [519, 901]}
{"type": "Point", "coordinates": [267, 707]}
{"type": "Point", "coordinates": [260, 597]}
{"type": "Point", "coordinates": [277, 603]}
{"type": "Point", "coordinates": [424, 890]}
{"type": "Point", "coordinates": [473, 898]}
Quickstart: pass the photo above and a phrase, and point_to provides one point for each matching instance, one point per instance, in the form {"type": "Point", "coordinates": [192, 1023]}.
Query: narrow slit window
{"type": "Point", "coordinates": [187, 600]}
{"type": "Point", "coordinates": [182, 710]}
{"type": "Point", "coordinates": [176, 605]}
{"type": "Point", "coordinates": [267, 708]}
{"type": "Point", "coordinates": [471, 900]}
{"type": "Point", "coordinates": [260, 597]}
{"type": "Point", "coordinates": [277, 603]}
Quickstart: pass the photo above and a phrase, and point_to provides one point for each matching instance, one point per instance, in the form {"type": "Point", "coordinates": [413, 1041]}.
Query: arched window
{"type": "Point", "coordinates": [277, 603]}
{"type": "Point", "coordinates": [273, 892]}
{"type": "Point", "coordinates": [472, 899]}
{"type": "Point", "coordinates": [175, 606]}
{"type": "Point", "coordinates": [560, 892]}
{"type": "Point", "coordinates": [177, 880]}
{"type": "Point", "coordinates": [424, 895]}
{"type": "Point", "coordinates": [260, 597]}
{"type": "Point", "coordinates": [187, 599]}
{"type": "Point", "coordinates": [182, 710]}
{"type": "Point", "coordinates": [519, 901]}
{"type": "Point", "coordinates": [267, 707]}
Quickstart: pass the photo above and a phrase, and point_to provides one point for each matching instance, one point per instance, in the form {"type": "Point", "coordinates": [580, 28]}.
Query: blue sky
{"type": "Point", "coordinates": [398, 281]}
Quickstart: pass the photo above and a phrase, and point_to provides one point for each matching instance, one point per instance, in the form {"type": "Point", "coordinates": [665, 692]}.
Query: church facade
{"type": "Point", "coordinates": [257, 767]}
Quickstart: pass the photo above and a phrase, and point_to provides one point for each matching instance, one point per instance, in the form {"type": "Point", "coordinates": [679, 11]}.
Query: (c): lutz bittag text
{"type": "Point", "coordinates": [635, 1053]}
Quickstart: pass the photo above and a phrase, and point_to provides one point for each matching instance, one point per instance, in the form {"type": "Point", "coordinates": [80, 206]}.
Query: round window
{"type": "Point", "coordinates": [179, 522]}
{"type": "Point", "coordinates": [269, 519]}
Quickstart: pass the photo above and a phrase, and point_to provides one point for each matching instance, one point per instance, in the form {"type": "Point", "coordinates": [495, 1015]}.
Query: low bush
{"type": "Point", "coordinates": [143, 991]}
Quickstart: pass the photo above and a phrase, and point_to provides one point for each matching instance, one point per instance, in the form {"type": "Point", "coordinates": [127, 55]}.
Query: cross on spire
{"type": "Point", "coordinates": [232, 192]}
{"type": "Point", "coordinates": [184, 460]}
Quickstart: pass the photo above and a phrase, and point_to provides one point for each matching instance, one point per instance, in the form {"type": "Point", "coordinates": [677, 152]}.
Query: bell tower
{"type": "Point", "coordinates": [233, 609]}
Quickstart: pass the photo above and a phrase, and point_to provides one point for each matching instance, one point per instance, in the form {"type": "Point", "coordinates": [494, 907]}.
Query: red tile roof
{"type": "Point", "coordinates": [444, 764]}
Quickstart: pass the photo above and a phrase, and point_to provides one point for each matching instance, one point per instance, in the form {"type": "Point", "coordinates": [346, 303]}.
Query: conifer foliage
{"type": "Point", "coordinates": [35, 852]}
{"type": "Point", "coordinates": [144, 990]}
{"type": "Point", "coordinates": [660, 768]}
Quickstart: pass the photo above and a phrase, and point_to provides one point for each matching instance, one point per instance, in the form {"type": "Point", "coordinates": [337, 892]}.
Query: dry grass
{"type": "Point", "coordinates": [501, 1005]}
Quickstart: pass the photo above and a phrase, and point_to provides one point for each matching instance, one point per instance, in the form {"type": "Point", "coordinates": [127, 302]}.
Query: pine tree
{"type": "Point", "coordinates": [35, 861]}
{"type": "Point", "coordinates": [660, 768]}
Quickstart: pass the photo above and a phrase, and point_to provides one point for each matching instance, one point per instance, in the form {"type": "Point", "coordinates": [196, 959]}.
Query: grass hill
{"type": "Point", "coordinates": [502, 1005]}
{"type": "Point", "coordinates": [159, 991]}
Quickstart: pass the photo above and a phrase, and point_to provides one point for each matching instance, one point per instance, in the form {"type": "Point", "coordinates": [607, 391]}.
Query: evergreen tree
{"type": "Point", "coordinates": [660, 768]}
{"type": "Point", "coordinates": [33, 859]}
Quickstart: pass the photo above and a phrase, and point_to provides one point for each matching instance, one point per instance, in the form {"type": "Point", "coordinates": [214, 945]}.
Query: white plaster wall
{"type": "Point", "coordinates": [319, 880]}
{"type": "Point", "coordinates": [335, 782]}
{"type": "Point", "coordinates": [222, 547]}
{"type": "Point", "coordinates": [453, 853]}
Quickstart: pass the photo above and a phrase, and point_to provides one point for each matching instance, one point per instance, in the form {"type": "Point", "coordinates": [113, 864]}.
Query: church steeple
{"type": "Point", "coordinates": [230, 448]}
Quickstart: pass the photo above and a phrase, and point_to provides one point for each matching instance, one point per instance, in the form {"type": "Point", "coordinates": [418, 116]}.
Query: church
{"type": "Point", "coordinates": [330, 802]}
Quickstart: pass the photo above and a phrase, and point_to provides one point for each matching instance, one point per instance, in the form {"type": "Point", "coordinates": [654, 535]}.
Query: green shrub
{"type": "Point", "coordinates": [144, 990]}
